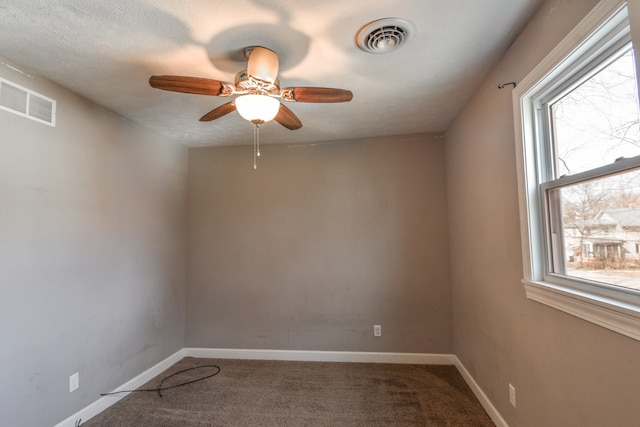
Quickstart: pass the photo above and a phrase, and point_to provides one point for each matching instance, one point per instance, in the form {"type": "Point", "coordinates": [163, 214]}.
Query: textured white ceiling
{"type": "Point", "coordinates": [106, 51]}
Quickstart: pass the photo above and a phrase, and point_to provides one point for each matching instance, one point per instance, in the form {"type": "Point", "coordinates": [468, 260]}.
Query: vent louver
{"type": "Point", "coordinates": [27, 103]}
{"type": "Point", "coordinates": [384, 35]}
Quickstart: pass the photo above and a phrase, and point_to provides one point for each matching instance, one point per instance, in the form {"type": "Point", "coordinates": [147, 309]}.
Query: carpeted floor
{"type": "Point", "coordinates": [278, 393]}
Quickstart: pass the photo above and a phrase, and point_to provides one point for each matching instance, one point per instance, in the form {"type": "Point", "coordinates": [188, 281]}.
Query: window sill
{"type": "Point", "coordinates": [617, 316]}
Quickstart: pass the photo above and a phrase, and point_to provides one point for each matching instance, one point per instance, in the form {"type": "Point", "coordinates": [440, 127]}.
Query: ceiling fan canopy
{"type": "Point", "coordinates": [263, 65]}
{"type": "Point", "coordinates": [257, 88]}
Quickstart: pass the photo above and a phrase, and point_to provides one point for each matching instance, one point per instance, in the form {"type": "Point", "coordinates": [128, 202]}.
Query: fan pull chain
{"type": "Point", "coordinates": [256, 145]}
{"type": "Point", "coordinates": [258, 141]}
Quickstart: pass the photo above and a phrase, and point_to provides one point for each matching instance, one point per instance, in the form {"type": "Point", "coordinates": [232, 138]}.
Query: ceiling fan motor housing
{"type": "Point", "coordinates": [384, 35]}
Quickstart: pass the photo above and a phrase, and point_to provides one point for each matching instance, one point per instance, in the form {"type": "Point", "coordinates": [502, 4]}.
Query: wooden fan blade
{"type": "Point", "coordinates": [196, 85]}
{"type": "Point", "coordinates": [319, 94]}
{"type": "Point", "coordinates": [263, 64]}
{"type": "Point", "coordinates": [287, 118]}
{"type": "Point", "coordinates": [216, 113]}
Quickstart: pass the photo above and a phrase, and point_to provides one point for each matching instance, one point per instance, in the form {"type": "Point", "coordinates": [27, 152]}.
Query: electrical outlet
{"type": "Point", "coordinates": [512, 395]}
{"type": "Point", "coordinates": [377, 330]}
{"type": "Point", "coordinates": [74, 382]}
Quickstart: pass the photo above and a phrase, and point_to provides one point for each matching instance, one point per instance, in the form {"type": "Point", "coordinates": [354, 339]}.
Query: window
{"type": "Point", "coordinates": [587, 129]}
{"type": "Point", "coordinates": [578, 142]}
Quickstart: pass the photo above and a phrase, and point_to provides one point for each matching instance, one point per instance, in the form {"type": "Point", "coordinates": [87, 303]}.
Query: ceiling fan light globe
{"type": "Point", "coordinates": [257, 108]}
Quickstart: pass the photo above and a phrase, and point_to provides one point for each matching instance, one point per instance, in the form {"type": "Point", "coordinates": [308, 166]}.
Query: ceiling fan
{"type": "Point", "coordinates": [258, 88]}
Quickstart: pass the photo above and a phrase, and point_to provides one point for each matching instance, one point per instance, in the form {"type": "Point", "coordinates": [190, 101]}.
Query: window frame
{"type": "Point", "coordinates": [603, 31]}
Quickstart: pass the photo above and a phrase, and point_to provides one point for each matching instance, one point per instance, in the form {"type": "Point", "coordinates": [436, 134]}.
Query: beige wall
{"type": "Point", "coordinates": [318, 245]}
{"type": "Point", "coordinates": [567, 372]}
{"type": "Point", "coordinates": [91, 255]}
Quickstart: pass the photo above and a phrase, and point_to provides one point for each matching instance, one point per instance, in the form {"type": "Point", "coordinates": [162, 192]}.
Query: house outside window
{"type": "Point", "coordinates": [578, 144]}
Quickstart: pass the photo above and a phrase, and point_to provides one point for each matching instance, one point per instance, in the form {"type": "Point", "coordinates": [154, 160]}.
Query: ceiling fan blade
{"type": "Point", "coordinates": [196, 85]}
{"type": "Point", "coordinates": [263, 64]}
{"type": "Point", "coordinates": [319, 94]}
{"type": "Point", "coordinates": [216, 113]}
{"type": "Point", "coordinates": [287, 118]}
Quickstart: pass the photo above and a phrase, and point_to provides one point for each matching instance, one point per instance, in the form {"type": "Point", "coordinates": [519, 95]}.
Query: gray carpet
{"type": "Point", "coordinates": [277, 393]}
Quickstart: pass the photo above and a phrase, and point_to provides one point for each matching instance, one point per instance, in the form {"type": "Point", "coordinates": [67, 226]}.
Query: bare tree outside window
{"type": "Point", "coordinates": [598, 122]}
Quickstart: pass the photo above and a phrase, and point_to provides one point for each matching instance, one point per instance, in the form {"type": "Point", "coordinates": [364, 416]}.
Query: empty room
{"type": "Point", "coordinates": [343, 212]}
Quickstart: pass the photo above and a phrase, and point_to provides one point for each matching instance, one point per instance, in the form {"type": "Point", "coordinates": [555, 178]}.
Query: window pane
{"type": "Point", "coordinates": [597, 122]}
{"type": "Point", "coordinates": [600, 230]}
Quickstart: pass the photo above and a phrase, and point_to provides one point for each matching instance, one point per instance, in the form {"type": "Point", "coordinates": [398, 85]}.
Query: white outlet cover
{"type": "Point", "coordinates": [74, 382]}
{"type": "Point", "coordinates": [377, 330]}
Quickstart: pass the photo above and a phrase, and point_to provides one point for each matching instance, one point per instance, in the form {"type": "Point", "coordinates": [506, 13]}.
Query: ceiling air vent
{"type": "Point", "coordinates": [27, 103]}
{"type": "Point", "coordinates": [384, 35]}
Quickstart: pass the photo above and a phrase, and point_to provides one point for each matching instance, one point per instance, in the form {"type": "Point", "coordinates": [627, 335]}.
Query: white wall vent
{"type": "Point", "coordinates": [27, 103]}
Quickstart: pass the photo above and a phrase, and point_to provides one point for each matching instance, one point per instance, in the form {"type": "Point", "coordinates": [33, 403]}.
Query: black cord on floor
{"type": "Point", "coordinates": [160, 389]}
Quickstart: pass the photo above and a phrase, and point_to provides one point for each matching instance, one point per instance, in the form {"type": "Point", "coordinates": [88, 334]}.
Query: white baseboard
{"type": "Point", "coordinates": [105, 401]}
{"type": "Point", "coordinates": [477, 391]}
{"type": "Point", "coordinates": [291, 355]}
{"type": "Point", "coordinates": [322, 356]}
